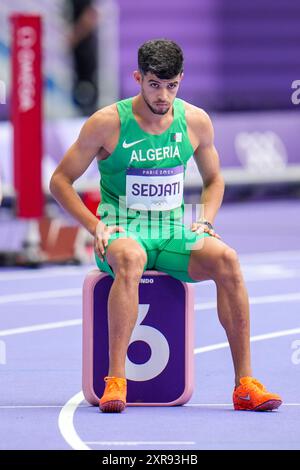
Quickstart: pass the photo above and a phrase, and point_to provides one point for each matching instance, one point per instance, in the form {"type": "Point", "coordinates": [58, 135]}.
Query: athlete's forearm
{"type": "Point", "coordinates": [211, 199]}
{"type": "Point", "coordinates": [64, 193]}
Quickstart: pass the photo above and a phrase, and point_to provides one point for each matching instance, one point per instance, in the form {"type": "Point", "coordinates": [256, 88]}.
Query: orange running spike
{"type": "Point", "coordinates": [114, 396]}
{"type": "Point", "coordinates": [251, 395]}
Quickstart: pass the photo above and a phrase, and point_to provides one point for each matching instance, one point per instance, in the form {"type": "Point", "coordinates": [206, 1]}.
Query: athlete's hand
{"type": "Point", "coordinates": [102, 235]}
{"type": "Point", "coordinates": [200, 228]}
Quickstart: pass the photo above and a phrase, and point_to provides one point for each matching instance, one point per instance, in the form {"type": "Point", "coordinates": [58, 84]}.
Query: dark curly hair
{"type": "Point", "coordinates": [162, 57]}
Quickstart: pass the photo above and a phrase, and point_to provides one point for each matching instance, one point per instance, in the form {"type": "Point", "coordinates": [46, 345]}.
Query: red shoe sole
{"type": "Point", "coordinates": [266, 406]}
{"type": "Point", "coordinates": [113, 406]}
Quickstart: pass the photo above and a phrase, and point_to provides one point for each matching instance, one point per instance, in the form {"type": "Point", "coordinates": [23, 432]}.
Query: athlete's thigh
{"type": "Point", "coordinates": [205, 257]}
{"type": "Point", "coordinates": [174, 257]}
{"type": "Point", "coordinates": [119, 243]}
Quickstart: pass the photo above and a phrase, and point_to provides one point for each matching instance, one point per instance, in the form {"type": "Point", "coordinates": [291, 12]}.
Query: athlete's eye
{"type": "Point", "coordinates": [172, 86]}
{"type": "Point", "coordinates": [154, 85]}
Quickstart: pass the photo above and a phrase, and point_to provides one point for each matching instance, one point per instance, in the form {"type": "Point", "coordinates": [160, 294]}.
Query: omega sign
{"type": "Point", "coordinates": [26, 56]}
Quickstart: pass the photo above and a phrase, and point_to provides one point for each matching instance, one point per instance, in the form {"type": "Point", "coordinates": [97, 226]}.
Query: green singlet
{"type": "Point", "coordinates": [142, 190]}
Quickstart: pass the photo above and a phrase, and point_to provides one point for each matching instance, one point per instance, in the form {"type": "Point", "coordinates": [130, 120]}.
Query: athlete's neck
{"type": "Point", "coordinates": [149, 118]}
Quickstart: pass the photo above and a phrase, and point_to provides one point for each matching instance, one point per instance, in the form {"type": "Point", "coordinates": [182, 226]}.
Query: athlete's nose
{"type": "Point", "coordinates": [163, 97]}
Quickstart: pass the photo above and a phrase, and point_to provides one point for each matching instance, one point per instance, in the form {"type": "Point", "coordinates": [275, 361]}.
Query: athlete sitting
{"type": "Point", "coordinates": [142, 145]}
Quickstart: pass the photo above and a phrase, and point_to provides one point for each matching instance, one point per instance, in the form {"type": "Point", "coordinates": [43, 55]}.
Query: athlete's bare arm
{"type": "Point", "coordinates": [201, 134]}
{"type": "Point", "coordinates": [97, 139]}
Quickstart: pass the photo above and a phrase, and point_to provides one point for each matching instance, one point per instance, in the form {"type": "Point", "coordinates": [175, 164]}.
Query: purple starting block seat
{"type": "Point", "coordinates": [160, 357]}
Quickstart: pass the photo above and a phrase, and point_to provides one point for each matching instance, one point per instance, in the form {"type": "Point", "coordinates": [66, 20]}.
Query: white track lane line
{"type": "Point", "coordinates": [48, 294]}
{"type": "Point", "coordinates": [11, 407]}
{"type": "Point", "coordinates": [292, 255]}
{"type": "Point", "coordinates": [263, 299]}
{"type": "Point", "coordinates": [44, 273]}
{"type": "Point", "coordinates": [229, 404]}
{"type": "Point", "coordinates": [66, 424]}
{"type": "Point", "coordinates": [253, 339]}
{"type": "Point", "coordinates": [41, 327]}
{"type": "Point", "coordinates": [137, 443]}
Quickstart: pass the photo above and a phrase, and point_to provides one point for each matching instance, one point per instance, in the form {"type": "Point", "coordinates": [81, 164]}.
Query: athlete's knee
{"type": "Point", "coordinates": [227, 268]}
{"type": "Point", "coordinates": [129, 263]}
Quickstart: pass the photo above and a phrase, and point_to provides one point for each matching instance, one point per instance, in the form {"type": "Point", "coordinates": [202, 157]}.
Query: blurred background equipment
{"type": "Point", "coordinates": [26, 114]}
{"type": "Point", "coordinates": [241, 65]}
{"type": "Point", "coordinates": [83, 41]}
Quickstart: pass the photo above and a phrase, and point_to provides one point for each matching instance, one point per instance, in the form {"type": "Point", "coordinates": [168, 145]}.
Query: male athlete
{"type": "Point", "coordinates": [142, 145]}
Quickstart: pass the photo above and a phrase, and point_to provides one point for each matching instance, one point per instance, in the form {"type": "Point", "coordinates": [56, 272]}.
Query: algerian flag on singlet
{"type": "Point", "coordinates": [176, 137]}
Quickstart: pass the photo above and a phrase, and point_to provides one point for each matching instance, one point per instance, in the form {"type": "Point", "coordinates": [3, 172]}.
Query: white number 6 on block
{"type": "Point", "coordinates": [160, 351]}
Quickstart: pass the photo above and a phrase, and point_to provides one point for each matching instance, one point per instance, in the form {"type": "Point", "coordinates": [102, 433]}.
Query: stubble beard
{"type": "Point", "coordinates": [153, 110]}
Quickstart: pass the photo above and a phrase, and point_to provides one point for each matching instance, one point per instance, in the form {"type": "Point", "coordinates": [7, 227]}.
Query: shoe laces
{"type": "Point", "coordinates": [255, 385]}
{"type": "Point", "coordinates": [115, 383]}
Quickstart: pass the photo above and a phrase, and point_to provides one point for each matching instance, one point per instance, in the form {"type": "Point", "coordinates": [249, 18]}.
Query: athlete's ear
{"type": "Point", "coordinates": [138, 76]}
{"type": "Point", "coordinates": [181, 76]}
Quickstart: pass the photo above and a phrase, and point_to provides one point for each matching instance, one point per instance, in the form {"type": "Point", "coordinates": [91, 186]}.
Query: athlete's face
{"type": "Point", "coordinates": [158, 94]}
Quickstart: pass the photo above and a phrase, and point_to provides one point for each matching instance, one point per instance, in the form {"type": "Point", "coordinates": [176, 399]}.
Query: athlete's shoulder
{"type": "Point", "coordinates": [198, 121]}
{"type": "Point", "coordinates": [100, 127]}
{"type": "Point", "coordinates": [196, 116]}
{"type": "Point", "coordinates": [107, 117]}
{"type": "Point", "coordinates": [102, 123]}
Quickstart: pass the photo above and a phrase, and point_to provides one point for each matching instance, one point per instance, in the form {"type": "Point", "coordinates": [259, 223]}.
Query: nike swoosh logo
{"type": "Point", "coordinates": [247, 397]}
{"type": "Point", "coordinates": [131, 144]}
